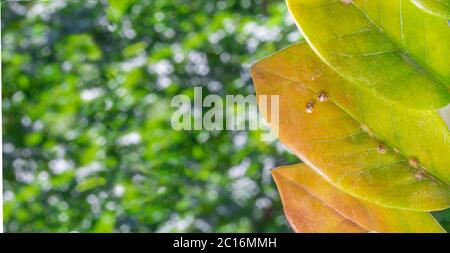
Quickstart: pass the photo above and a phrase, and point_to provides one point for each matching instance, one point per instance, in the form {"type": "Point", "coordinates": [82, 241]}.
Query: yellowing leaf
{"type": "Point", "coordinates": [306, 213]}
{"type": "Point", "coordinates": [336, 145]}
{"type": "Point", "coordinates": [436, 7]}
{"type": "Point", "coordinates": [357, 49]}
{"type": "Point", "coordinates": [417, 134]}
{"type": "Point", "coordinates": [313, 205]}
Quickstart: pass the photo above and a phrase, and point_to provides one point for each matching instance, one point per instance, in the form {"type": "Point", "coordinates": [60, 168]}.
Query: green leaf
{"type": "Point", "coordinates": [385, 89]}
{"type": "Point", "coordinates": [355, 47]}
{"type": "Point", "coordinates": [344, 151]}
{"type": "Point", "coordinates": [436, 7]}
{"type": "Point", "coordinates": [423, 36]}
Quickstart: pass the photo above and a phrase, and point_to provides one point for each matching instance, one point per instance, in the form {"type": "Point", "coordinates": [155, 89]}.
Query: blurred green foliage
{"type": "Point", "coordinates": [88, 144]}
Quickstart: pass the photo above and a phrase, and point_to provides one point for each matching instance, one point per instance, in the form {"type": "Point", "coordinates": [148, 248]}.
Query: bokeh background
{"type": "Point", "coordinates": [87, 140]}
{"type": "Point", "coordinates": [88, 144]}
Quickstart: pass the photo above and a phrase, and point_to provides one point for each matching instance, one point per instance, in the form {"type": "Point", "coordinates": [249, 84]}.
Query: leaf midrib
{"type": "Point", "coordinates": [353, 117]}
{"type": "Point", "coordinates": [418, 62]}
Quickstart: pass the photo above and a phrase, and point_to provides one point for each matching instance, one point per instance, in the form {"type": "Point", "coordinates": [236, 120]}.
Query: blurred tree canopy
{"type": "Point", "coordinates": [87, 140]}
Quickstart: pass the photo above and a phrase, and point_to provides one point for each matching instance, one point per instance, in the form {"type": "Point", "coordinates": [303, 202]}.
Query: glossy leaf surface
{"type": "Point", "coordinates": [351, 44]}
{"type": "Point", "coordinates": [437, 7]}
{"type": "Point", "coordinates": [423, 36]}
{"type": "Point", "coordinates": [307, 213]}
{"type": "Point", "coordinates": [420, 134]}
{"type": "Point", "coordinates": [336, 145]}
{"type": "Point", "coordinates": [311, 204]}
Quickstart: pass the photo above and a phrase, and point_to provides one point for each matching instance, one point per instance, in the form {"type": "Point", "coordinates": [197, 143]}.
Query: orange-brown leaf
{"type": "Point", "coordinates": [311, 204]}
{"type": "Point", "coordinates": [331, 141]}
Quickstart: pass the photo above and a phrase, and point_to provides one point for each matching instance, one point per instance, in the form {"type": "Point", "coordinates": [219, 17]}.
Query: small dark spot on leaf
{"type": "Point", "coordinates": [322, 97]}
{"type": "Point", "coordinates": [414, 162]}
{"type": "Point", "coordinates": [309, 107]}
{"type": "Point", "coordinates": [381, 149]}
